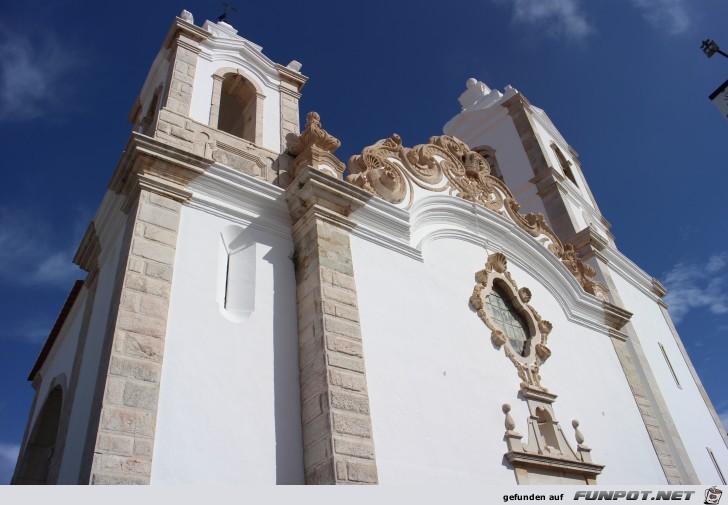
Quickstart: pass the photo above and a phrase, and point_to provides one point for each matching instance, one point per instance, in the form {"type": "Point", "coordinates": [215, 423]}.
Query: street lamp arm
{"type": "Point", "coordinates": [709, 47]}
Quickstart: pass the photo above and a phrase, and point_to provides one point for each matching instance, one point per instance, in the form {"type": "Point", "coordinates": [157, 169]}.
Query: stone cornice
{"type": "Point", "coordinates": [615, 317]}
{"type": "Point", "coordinates": [291, 75]}
{"type": "Point", "coordinates": [531, 393]}
{"type": "Point", "coordinates": [529, 460]}
{"type": "Point", "coordinates": [588, 240]}
{"type": "Point", "coordinates": [658, 288]}
{"type": "Point", "coordinates": [547, 180]}
{"type": "Point", "coordinates": [87, 255]}
{"type": "Point", "coordinates": [630, 271]}
{"type": "Point", "coordinates": [242, 53]}
{"type": "Point", "coordinates": [619, 335]}
{"type": "Point", "coordinates": [180, 26]}
{"type": "Point", "coordinates": [325, 196]}
{"type": "Point", "coordinates": [241, 198]}
{"type": "Point", "coordinates": [156, 166]}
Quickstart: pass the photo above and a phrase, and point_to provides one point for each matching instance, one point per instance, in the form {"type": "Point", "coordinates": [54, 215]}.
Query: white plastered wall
{"type": "Point", "coordinates": [229, 408]}
{"type": "Point", "coordinates": [696, 427]}
{"type": "Point", "coordinates": [436, 383]}
{"type": "Point", "coordinates": [60, 358]}
{"type": "Point", "coordinates": [157, 76]}
{"type": "Point", "coordinates": [553, 160]}
{"type": "Point", "coordinates": [81, 412]}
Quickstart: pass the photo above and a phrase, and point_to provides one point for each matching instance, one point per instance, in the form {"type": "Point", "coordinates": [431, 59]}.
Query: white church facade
{"type": "Point", "coordinates": [256, 311]}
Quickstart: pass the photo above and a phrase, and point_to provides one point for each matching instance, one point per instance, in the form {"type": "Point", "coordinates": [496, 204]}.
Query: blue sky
{"type": "Point", "coordinates": [623, 80]}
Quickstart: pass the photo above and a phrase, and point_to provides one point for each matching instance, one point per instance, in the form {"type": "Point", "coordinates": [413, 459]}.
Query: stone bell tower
{"type": "Point", "coordinates": [526, 150]}
{"type": "Point", "coordinates": [185, 327]}
{"type": "Point", "coordinates": [543, 169]}
{"type": "Point", "coordinates": [243, 114]}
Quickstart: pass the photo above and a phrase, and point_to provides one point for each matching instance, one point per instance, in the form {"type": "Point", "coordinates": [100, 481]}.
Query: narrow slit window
{"type": "Point", "coordinates": [669, 365]}
{"type": "Point", "coordinates": [236, 273]}
{"type": "Point", "coordinates": [715, 463]}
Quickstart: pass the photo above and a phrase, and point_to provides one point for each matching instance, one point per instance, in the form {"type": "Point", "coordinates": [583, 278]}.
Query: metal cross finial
{"type": "Point", "coordinates": [228, 8]}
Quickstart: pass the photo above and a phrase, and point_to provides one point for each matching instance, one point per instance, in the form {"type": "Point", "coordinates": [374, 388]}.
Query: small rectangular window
{"type": "Point", "coordinates": [669, 365]}
{"type": "Point", "coordinates": [715, 463]}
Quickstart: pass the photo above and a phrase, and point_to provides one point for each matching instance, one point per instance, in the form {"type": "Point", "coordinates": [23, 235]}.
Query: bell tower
{"type": "Point", "coordinates": [526, 150]}
{"type": "Point", "coordinates": [532, 157]}
{"type": "Point", "coordinates": [215, 94]}
{"type": "Point", "coordinates": [169, 341]}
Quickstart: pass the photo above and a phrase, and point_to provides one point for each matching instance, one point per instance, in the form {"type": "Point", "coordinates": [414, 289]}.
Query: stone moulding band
{"type": "Point", "coordinates": [550, 463]}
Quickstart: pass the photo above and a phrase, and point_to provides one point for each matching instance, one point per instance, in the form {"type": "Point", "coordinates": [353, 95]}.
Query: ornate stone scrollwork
{"type": "Point", "coordinates": [584, 273]}
{"type": "Point", "coordinates": [315, 147]}
{"type": "Point", "coordinates": [389, 170]}
{"type": "Point", "coordinates": [528, 363]}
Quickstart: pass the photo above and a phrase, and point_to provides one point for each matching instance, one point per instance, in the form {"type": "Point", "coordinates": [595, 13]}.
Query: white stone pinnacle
{"type": "Point", "coordinates": [187, 16]}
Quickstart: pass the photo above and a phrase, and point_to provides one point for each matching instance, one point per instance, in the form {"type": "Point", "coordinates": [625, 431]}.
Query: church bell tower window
{"type": "Point", "coordinates": [238, 107]}
{"type": "Point", "coordinates": [565, 164]}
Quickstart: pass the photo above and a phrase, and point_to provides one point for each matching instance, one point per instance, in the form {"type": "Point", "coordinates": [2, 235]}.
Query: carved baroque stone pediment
{"type": "Point", "coordinates": [445, 164]}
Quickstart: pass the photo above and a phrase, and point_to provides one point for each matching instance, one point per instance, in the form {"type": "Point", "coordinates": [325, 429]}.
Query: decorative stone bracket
{"type": "Point", "coordinates": [616, 318]}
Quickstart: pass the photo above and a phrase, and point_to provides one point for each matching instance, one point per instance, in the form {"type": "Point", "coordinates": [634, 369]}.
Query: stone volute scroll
{"type": "Point", "coordinates": [391, 171]}
{"type": "Point", "coordinates": [584, 273]}
{"type": "Point", "coordinates": [315, 147]}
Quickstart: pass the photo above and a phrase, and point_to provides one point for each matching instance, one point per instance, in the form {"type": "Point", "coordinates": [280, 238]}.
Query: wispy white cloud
{"type": "Point", "coordinates": [570, 18]}
{"type": "Point", "coordinates": [28, 253]}
{"type": "Point", "coordinates": [558, 17]}
{"type": "Point", "coordinates": [671, 16]}
{"type": "Point", "coordinates": [8, 458]}
{"type": "Point", "coordinates": [697, 285]}
{"type": "Point", "coordinates": [32, 71]}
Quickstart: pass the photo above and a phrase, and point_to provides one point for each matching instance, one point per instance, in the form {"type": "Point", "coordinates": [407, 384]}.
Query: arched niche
{"type": "Point", "coordinates": [40, 450]}
{"type": "Point", "coordinates": [237, 105]}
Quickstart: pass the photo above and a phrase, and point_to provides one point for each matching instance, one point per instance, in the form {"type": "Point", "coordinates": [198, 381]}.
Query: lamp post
{"type": "Point", "coordinates": [709, 47]}
{"type": "Point", "coordinates": [719, 97]}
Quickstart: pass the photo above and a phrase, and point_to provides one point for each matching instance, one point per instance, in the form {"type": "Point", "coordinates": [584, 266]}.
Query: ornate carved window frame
{"type": "Point", "coordinates": [547, 451]}
{"type": "Point", "coordinates": [528, 364]}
